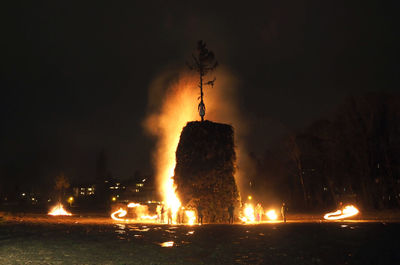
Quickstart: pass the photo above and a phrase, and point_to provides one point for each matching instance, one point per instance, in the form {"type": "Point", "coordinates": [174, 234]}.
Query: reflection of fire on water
{"type": "Point", "coordinates": [167, 244]}
{"type": "Point", "coordinates": [58, 210]}
{"type": "Point", "coordinates": [347, 211]}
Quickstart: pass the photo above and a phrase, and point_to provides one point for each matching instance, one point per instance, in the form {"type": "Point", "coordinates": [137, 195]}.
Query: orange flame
{"type": "Point", "coordinates": [347, 211]}
{"type": "Point", "coordinates": [58, 210]}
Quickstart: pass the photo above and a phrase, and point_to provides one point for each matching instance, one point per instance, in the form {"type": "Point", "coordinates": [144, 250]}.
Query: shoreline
{"type": "Point", "coordinates": [96, 218]}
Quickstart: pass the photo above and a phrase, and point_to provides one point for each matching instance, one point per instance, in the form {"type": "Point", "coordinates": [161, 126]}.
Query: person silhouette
{"type": "Point", "coordinates": [284, 212]}
{"type": "Point", "coordinates": [200, 215]}
{"type": "Point", "coordinates": [202, 110]}
{"type": "Point", "coordinates": [231, 210]}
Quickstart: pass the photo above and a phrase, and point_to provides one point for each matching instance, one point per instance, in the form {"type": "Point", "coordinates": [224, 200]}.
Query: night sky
{"type": "Point", "coordinates": [74, 77]}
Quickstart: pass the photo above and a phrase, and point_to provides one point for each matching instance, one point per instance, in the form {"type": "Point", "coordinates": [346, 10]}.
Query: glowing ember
{"type": "Point", "coordinates": [191, 217]}
{"type": "Point", "coordinates": [347, 211]}
{"type": "Point", "coordinates": [58, 210]}
{"type": "Point", "coordinates": [271, 214]}
{"type": "Point", "coordinates": [248, 214]}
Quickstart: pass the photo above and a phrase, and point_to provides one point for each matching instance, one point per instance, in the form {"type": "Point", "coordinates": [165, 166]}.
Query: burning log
{"type": "Point", "coordinates": [205, 167]}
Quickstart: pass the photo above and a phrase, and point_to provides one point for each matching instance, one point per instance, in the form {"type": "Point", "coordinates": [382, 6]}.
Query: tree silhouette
{"type": "Point", "coordinates": [61, 184]}
{"type": "Point", "coordinates": [203, 62]}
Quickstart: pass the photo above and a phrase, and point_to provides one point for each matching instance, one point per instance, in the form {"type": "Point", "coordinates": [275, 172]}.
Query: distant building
{"type": "Point", "coordinates": [84, 190]}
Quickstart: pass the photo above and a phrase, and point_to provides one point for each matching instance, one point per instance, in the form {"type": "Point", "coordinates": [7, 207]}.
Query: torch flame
{"type": "Point", "coordinates": [58, 210]}
{"type": "Point", "coordinates": [348, 211]}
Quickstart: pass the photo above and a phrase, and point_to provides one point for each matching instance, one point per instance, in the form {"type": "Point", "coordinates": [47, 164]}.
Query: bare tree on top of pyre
{"type": "Point", "coordinates": [203, 62]}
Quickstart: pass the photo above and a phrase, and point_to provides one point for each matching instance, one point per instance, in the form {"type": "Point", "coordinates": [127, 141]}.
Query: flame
{"type": "Point", "coordinates": [179, 107]}
{"type": "Point", "coordinates": [271, 214]}
{"type": "Point", "coordinates": [191, 217]}
{"type": "Point", "coordinates": [248, 214]}
{"type": "Point", "coordinates": [58, 210]}
{"type": "Point", "coordinates": [347, 211]}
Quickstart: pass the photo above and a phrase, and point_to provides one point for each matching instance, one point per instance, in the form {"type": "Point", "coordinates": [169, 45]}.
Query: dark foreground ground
{"type": "Point", "coordinates": [290, 243]}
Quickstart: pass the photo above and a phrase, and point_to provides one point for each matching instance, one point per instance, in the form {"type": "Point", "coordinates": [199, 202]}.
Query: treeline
{"type": "Point", "coordinates": [354, 156]}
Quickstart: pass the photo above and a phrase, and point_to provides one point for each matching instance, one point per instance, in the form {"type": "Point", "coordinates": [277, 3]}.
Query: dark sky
{"type": "Point", "coordinates": [74, 77]}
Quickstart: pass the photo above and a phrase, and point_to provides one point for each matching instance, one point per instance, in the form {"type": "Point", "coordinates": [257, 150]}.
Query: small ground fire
{"type": "Point", "coordinates": [59, 210]}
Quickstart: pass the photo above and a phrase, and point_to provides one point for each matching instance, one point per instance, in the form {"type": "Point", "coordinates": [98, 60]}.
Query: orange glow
{"type": "Point", "coordinates": [271, 214]}
{"type": "Point", "coordinates": [58, 210]}
{"type": "Point", "coordinates": [347, 211]}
